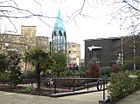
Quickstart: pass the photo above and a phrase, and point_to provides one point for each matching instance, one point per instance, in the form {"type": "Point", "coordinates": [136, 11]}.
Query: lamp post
{"type": "Point", "coordinates": [50, 46]}
{"type": "Point", "coordinates": [26, 63]}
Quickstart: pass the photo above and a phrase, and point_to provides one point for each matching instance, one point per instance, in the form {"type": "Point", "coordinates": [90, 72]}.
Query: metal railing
{"type": "Point", "coordinates": [73, 84]}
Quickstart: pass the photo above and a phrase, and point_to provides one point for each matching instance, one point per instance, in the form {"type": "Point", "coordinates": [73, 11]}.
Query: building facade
{"type": "Point", "coordinates": [73, 54]}
{"type": "Point", "coordinates": [23, 42]}
{"type": "Point", "coordinates": [109, 51]}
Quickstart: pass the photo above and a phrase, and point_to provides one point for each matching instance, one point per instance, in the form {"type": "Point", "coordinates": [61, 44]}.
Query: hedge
{"type": "Point", "coordinates": [123, 84]}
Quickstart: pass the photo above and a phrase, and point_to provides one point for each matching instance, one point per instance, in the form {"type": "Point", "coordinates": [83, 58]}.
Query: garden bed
{"type": "Point", "coordinates": [26, 89]}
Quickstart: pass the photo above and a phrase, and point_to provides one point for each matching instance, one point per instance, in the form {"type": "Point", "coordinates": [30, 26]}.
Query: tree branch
{"type": "Point", "coordinates": [79, 11]}
{"type": "Point", "coordinates": [23, 10]}
{"type": "Point", "coordinates": [12, 24]}
{"type": "Point", "coordinates": [131, 5]}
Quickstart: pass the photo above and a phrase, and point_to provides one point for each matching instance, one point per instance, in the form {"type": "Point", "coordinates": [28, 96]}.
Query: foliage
{"type": "Point", "coordinates": [116, 68]}
{"type": "Point", "coordinates": [36, 55]}
{"type": "Point", "coordinates": [124, 67]}
{"type": "Point", "coordinates": [4, 76]}
{"type": "Point", "coordinates": [93, 71]}
{"type": "Point", "coordinates": [10, 68]}
{"type": "Point", "coordinates": [106, 71]}
{"type": "Point", "coordinates": [29, 75]}
{"type": "Point", "coordinates": [59, 63]}
{"type": "Point", "coordinates": [29, 89]}
{"type": "Point", "coordinates": [82, 71]}
{"type": "Point", "coordinates": [137, 59]}
{"type": "Point", "coordinates": [122, 84]}
{"type": "Point", "coordinates": [39, 58]}
{"type": "Point", "coordinates": [3, 62]}
{"type": "Point", "coordinates": [14, 68]}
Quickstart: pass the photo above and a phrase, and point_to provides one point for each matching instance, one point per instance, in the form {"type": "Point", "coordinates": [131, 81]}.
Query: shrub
{"type": "Point", "coordinates": [29, 75]}
{"type": "Point", "coordinates": [124, 67]}
{"type": "Point", "coordinates": [122, 84]}
{"type": "Point", "coordinates": [4, 76]}
{"type": "Point", "coordinates": [93, 71]}
{"type": "Point", "coordinates": [29, 89]}
{"type": "Point", "coordinates": [116, 68]}
{"type": "Point", "coordinates": [106, 71]}
{"type": "Point", "coordinates": [81, 72]}
{"type": "Point", "coordinates": [15, 78]}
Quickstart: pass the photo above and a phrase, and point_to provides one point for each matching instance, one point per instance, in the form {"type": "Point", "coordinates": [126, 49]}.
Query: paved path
{"type": "Point", "coordinates": [131, 99]}
{"type": "Point", "coordinates": [88, 98]}
{"type": "Point", "coordinates": [14, 98]}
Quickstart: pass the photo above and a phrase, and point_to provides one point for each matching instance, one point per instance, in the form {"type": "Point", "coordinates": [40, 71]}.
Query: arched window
{"type": "Point", "coordinates": [60, 33]}
{"type": "Point", "coordinates": [54, 32]}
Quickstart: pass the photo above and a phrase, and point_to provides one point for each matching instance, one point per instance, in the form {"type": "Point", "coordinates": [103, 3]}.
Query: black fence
{"type": "Point", "coordinates": [60, 85]}
{"type": "Point", "coordinates": [65, 85]}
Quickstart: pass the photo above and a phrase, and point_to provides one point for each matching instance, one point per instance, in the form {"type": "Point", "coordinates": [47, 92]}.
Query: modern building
{"type": "Point", "coordinates": [109, 51]}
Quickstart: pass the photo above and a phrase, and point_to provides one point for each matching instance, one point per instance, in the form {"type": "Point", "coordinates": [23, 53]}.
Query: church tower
{"type": "Point", "coordinates": [59, 39]}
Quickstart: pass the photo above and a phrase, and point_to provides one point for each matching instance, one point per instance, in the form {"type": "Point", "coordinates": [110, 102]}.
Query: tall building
{"type": "Point", "coordinates": [109, 51]}
{"type": "Point", "coordinates": [59, 39]}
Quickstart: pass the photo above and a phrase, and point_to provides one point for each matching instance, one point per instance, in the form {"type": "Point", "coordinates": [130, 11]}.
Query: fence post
{"type": "Point", "coordinates": [103, 101]}
{"type": "Point", "coordinates": [87, 85]}
{"type": "Point", "coordinates": [55, 86]}
{"type": "Point", "coordinates": [73, 82]}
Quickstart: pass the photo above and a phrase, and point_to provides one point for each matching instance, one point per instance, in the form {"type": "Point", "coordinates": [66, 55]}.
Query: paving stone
{"type": "Point", "coordinates": [15, 98]}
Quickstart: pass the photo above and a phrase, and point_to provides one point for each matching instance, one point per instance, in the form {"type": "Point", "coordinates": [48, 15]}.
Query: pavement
{"type": "Point", "coordinates": [16, 98]}
{"type": "Point", "coordinates": [131, 99]}
{"type": "Point", "coordinates": [88, 98]}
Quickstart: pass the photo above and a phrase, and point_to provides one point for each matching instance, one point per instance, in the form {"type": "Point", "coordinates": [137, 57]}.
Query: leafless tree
{"type": "Point", "coordinates": [10, 10]}
{"type": "Point", "coordinates": [126, 11]}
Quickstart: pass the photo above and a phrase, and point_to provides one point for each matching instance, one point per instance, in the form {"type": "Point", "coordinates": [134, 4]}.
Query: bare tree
{"type": "Point", "coordinates": [127, 12]}
{"type": "Point", "coordinates": [10, 10]}
{"type": "Point", "coordinates": [124, 11]}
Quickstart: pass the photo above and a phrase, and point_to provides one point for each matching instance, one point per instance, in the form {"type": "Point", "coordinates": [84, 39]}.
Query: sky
{"type": "Point", "coordinates": [97, 23]}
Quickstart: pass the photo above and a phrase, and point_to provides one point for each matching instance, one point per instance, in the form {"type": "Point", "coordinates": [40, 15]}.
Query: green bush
{"type": "Point", "coordinates": [29, 89]}
{"type": "Point", "coordinates": [123, 84]}
{"type": "Point", "coordinates": [4, 76]}
{"type": "Point", "coordinates": [29, 75]}
{"type": "Point", "coordinates": [124, 67]}
{"type": "Point", "coordinates": [106, 71]}
{"type": "Point", "coordinates": [15, 77]}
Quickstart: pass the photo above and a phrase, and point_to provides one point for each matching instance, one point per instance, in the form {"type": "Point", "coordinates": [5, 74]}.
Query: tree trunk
{"type": "Point", "coordinates": [38, 76]}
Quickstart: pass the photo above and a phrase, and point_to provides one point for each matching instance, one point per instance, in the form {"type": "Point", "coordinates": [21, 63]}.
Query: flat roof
{"type": "Point", "coordinates": [103, 38]}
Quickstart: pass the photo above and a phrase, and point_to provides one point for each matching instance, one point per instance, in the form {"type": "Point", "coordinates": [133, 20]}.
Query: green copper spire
{"type": "Point", "coordinates": [59, 41]}
{"type": "Point", "coordinates": [59, 22]}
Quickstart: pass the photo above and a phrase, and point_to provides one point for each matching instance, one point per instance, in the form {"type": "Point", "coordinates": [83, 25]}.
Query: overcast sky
{"type": "Point", "coordinates": [97, 24]}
